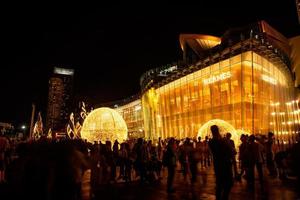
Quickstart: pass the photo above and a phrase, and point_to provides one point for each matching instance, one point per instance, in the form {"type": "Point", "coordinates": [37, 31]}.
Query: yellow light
{"type": "Point", "coordinates": [269, 79]}
{"type": "Point", "coordinates": [224, 128]}
{"type": "Point", "coordinates": [273, 113]}
{"type": "Point", "coordinates": [217, 78]}
{"type": "Point", "coordinates": [239, 132]}
{"type": "Point", "coordinates": [104, 124]}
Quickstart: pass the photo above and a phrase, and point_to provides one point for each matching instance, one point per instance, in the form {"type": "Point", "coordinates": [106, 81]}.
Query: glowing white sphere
{"type": "Point", "coordinates": [104, 124]}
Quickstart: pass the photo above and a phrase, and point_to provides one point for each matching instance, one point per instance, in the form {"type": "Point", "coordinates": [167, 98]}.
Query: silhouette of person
{"type": "Point", "coordinates": [170, 163]}
{"type": "Point", "coordinates": [234, 152]}
{"type": "Point", "coordinates": [222, 154]}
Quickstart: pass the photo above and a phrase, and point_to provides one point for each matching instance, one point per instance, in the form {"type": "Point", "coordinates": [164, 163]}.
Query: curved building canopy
{"type": "Point", "coordinates": [198, 42]}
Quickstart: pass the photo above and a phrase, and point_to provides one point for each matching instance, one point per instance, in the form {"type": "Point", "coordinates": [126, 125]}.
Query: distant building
{"type": "Point", "coordinates": [59, 99]}
{"type": "Point", "coordinates": [131, 111]}
{"type": "Point", "coordinates": [133, 116]}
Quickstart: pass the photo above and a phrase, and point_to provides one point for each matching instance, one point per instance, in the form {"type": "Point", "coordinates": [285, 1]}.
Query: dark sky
{"type": "Point", "coordinates": [108, 46]}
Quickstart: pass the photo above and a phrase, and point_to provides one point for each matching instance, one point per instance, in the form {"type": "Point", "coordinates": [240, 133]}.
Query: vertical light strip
{"type": "Point", "coordinates": [252, 88]}
{"type": "Point", "coordinates": [242, 95]}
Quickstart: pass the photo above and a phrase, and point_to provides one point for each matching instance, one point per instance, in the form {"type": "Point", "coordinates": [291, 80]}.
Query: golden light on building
{"type": "Point", "coordinates": [230, 90]}
{"type": "Point", "coordinates": [133, 116]}
{"type": "Point", "coordinates": [104, 124]}
{"type": "Point", "coordinates": [242, 81]}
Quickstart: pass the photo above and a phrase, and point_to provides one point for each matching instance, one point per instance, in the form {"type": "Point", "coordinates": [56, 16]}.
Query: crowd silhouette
{"type": "Point", "coordinates": [54, 168]}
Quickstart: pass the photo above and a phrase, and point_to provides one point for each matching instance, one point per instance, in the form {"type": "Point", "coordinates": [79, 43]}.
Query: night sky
{"type": "Point", "coordinates": [110, 46]}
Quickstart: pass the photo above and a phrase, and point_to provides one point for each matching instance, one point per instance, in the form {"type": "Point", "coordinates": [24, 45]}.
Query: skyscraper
{"type": "Point", "coordinates": [59, 99]}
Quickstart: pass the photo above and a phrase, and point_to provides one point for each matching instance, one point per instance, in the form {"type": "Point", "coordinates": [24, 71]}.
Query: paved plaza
{"type": "Point", "coordinates": [274, 189]}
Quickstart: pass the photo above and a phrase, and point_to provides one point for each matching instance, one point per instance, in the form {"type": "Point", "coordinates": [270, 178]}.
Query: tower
{"type": "Point", "coordinates": [59, 99]}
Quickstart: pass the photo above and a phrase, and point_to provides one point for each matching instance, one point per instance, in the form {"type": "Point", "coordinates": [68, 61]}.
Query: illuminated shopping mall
{"type": "Point", "coordinates": [245, 81]}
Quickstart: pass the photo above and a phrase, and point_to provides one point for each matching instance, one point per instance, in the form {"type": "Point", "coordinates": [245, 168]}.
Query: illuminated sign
{"type": "Point", "coordinates": [217, 78]}
{"type": "Point", "coordinates": [63, 71]}
{"type": "Point", "coordinates": [269, 79]}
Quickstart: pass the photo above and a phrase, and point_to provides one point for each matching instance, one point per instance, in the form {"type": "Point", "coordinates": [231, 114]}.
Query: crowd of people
{"type": "Point", "coordinates": [53, 169]}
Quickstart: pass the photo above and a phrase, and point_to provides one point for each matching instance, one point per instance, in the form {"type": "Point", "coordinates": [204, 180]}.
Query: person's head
{"type": "Point", "coordinates": [270, 135]}
{"type": "Point", "coordinates": [243, 138]}
{"type": "Point", "coordinates": [187, 140]}
{"type": "Point", "coordinates": [199, 138]}
{"type": "Point", "coordinates": [215, 131]}
{"type": "Point", "coordinates": [171, 141]}
{"type": "Point", "coordinates": [140, 141]}
{"type": "Point", "coordinates": [251, 138]}
{"type": "Point", "coordinates": [228, 135]}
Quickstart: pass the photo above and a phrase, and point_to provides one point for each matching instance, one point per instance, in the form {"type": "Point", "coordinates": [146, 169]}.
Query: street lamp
{"type": "Point", "coordinates": [23, 127]}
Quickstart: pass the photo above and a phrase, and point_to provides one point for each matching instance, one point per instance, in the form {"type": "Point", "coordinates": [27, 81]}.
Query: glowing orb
{"type": "Point", "coordinates": [104, 124]}
{"type": "Point", "coordinates": [224, 127]}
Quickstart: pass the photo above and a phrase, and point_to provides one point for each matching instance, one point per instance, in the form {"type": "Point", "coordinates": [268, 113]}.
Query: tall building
{"type": "Point", "coordinates": [59, 99]}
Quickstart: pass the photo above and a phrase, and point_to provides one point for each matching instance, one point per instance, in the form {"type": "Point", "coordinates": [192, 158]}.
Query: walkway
{"type": "Point", "coordinates": [203, 189]}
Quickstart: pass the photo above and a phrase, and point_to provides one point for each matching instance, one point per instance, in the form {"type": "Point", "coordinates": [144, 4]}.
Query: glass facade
{"type": "Point", "coordinates": [247, 92]}
{"type": "Point", "coordinates": [133, 116]}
